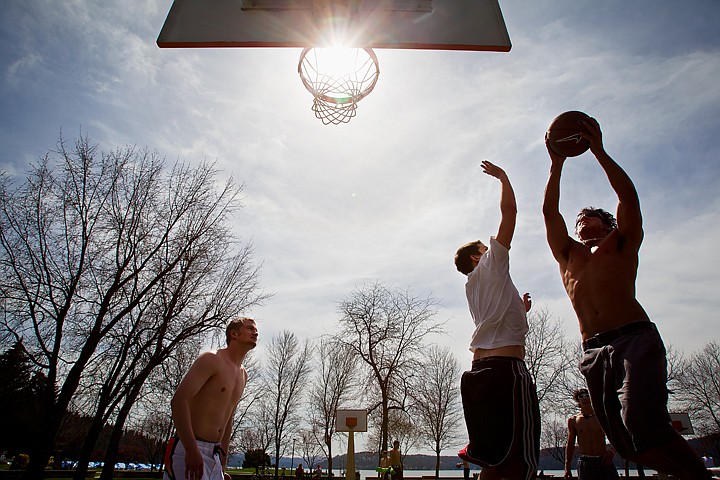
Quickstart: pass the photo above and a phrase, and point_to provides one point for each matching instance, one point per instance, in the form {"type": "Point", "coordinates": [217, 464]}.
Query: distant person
{"type": "Point", "coordinates": [395, 459]}
{"type": "Point", "coordinates": [466, 470]}
{"type": "Point", "coordinates": [317, 473]}
{"type": "Point", "coordinates": [204, 404]}
{"type": "Point", "coordinates": [299, 471]}
{"type": "Point", "coordinates": [624, 360]}
{"type": "Point", "coordinates": [596, 460]}
{"type": "Point", "coordinates": [385, 470]}
{"type": "Point", "coordinates": [499, 397]}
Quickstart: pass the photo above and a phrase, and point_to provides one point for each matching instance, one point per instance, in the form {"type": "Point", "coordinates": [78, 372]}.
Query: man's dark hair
{"type": "Point", "coordinates": [607, 218]}
{"type": "Point", "coordinates": [578, 392]}
{"type": "Point", "coordinates": [463, 262]}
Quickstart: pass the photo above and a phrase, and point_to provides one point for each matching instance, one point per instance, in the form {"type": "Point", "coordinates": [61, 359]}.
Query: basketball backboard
{"type": "Point", "coordinates": [403, 24]}
{"type": "Point", "coordinates": [681, 422]}
{"type": "Point", "coordinates": [350, 420]}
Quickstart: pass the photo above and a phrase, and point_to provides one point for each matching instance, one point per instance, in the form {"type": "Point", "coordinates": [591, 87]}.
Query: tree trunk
{"type": "Point", "coordinates": [93, 434]}
{"type": "Point", "coordinates": [40, 455]}
{"type": "Point", "coordinates": [113, 449]}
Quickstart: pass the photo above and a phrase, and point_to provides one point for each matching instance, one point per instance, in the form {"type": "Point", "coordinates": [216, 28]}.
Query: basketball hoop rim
{"type": "Point", "coordinates": [343, 100]}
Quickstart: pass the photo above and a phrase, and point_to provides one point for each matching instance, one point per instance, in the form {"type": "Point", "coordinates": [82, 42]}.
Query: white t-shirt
{"type": "Point", "coordinates": [494, 301]}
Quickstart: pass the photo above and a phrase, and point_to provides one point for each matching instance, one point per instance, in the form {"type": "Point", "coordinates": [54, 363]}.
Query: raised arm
{"type": "Point", "coordinates": [508, 205]}
{"type": "Point", "coordinates": [629, 217]}
{"type": "Point", "coordinates": [556, 230]}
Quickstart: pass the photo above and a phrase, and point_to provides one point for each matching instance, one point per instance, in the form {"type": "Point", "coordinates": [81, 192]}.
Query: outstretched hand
{"type": "Point", "coordinates": [554, 157]}
{"type": "Point", "coordinates": [527, 301]}
{"type": "Point", "coordinates": [493, 170]}
{"type": "Point", "coordinates": [593, 135]}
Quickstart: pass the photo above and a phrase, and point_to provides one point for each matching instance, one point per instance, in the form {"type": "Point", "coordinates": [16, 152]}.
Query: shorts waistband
{"type": "Point", "coordinates": [605, 338]}
{"type": "Point", "coordinates": [497, 358]}
{"type": "Point", "coordinates": [210, 448]}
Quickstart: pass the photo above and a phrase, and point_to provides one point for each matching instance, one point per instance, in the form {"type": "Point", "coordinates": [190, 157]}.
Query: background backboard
{"type": "Point", "coordinates": [681, 423]}
{"type": "Point", "coordinates": [411, 24]}
{"type": "Point", "coordinates": [351, 420]}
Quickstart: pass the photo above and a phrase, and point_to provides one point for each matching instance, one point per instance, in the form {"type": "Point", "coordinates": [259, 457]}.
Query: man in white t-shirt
{"type": "Point", "coordinates": [499, 397]}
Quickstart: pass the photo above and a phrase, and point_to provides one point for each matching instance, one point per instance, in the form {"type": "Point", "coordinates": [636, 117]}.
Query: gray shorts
{"type": "Point", "coordinates": [627, 382]}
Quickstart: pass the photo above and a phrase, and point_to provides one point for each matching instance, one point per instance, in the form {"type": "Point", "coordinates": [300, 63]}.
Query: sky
{"type": "Point", "coordinates": [392, 194]}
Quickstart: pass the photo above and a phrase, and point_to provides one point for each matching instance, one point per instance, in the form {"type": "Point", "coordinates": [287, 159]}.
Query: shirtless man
{"type": "Point", "coordinates": [204, 404]}
{"type": "Point", "coordinates": [624, 360]}
{"type": "Point", "coordinates": [596, 461]}
{"type": "Point", "coordinates": [499, 398]}
{"type": "Point", "coordinates": [395, 460]}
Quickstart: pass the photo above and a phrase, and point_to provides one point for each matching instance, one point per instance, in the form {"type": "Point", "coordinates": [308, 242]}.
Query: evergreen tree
{"type": "Point", "coordinates": [21, 387]}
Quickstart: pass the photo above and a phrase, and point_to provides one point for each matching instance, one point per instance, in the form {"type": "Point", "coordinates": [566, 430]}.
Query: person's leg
{"type": "Point", "coordinates": [487, 397]}
{"type": "Point", "coordinates": [675, 458]}
{"type": "Point", "coordinates": [644, 398]}
{"type": "Point", "coordinates": [174, 460]}
{"type": "Point", "coordinates": [522, 459]}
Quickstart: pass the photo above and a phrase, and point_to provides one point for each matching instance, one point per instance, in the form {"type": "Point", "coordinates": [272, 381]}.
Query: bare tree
{"type": "Point", "coordinates": [563, 403]}
{"type": "Point", "coordinates": [333, 386]}
{"type": "Point", "coordinates": [400, 427]}
{"type": "Point", "coordinates": [436, 401]}
{"type": "Point", "coordinates": [247, 406]}
{"type": "Point", "coordinates": [699, 388]}
{"type": "Point", "coordinates": [288, 368]}
{"type": "Point", "coordinates": [547, 356]}
{"type": "Point", "coordinates": [89, 242]}
{"type": "Point", "coordinates": [155, 428]}
{"type": "Point", "coordinates": [553, 362]}
{"type": "Point", "coordinates": [309, 448]}
{"type": "Point", "coordinates": [256, 432]}
{"type": "Point", "coordinates": [386, 329]}
{"type": "Point", "coordinates": [554, 437]}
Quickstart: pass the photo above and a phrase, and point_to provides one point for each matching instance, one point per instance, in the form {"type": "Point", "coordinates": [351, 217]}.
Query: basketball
{"type": "Point", "coordinates": [564, 134]}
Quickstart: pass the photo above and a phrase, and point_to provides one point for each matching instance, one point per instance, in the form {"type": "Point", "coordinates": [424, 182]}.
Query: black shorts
{"type": "Point", "coordinates": [593, 468]}
{"type": "Point", "coordinates": [501, 412]}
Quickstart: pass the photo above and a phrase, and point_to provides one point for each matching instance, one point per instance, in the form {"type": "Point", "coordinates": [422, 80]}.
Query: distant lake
{"type": "Point", "coordinates": [458, 473]}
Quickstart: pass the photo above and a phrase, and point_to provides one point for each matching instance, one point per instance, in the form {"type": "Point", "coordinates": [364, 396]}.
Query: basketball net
{"type": "Point", "coordinates": [338, 78]}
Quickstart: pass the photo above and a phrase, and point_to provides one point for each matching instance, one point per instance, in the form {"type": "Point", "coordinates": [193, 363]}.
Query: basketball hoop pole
{"type": "Point", "coordinates": [350, 467]}
{"type": "Point", "coordinates": [350, 421]}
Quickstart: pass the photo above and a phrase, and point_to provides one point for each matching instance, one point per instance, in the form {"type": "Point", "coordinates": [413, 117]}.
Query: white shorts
{"type": "Point", "coordinates": [175, 461]}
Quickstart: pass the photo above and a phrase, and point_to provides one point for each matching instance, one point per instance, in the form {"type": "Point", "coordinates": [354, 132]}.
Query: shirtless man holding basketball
{"type": "Point", "coordinates": [204, 404]}
{"type": "Point", "coordinates": [624, 360]}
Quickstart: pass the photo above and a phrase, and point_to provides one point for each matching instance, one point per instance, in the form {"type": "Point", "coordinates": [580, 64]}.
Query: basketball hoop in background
{"type": "Point", "coordinates": [338, 78]}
